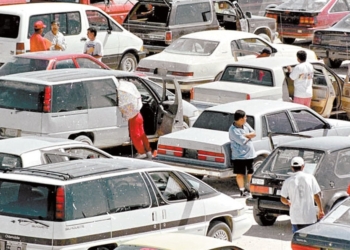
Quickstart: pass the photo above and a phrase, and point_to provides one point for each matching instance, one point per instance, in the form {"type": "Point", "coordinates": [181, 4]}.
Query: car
{"type": "Point", "coordinates": [331, 44]}
{"type": "Point", "coordinates": [327, 158]}
{"type": "Point", "coordinates": [204, 149]}
{"type": "Point", "coordinates": [199, 57]}
{"type": "Point", "coordinates": [99, 203]}
{"type": "Point", "coordinates": [81, 104]}
{"type": "Point", "coordinates": [176, 241]}
{"type": "Point", "coordinates": [268, 78]}
{"type": "Point", "coordinates": [332, 232]}
{"type": "Point", "coordinates": [30, 151]}
{"type": "Point", "coordinates": [299, 19]}
{"type": "Point", "coordinates": [48, 60]}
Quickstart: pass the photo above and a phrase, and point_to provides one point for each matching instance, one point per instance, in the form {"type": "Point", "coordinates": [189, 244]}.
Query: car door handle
{"type": "Point", "coordinates": [163, 214]}
{"type": "Point", "coordinates": [83, 39]}
{"type": "Point", "coordinates": [154, 216]}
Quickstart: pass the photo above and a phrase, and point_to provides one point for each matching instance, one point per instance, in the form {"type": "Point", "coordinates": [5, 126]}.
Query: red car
{"type": "Point", "coordinates": [48, 60]}
{"type": "Point", "coordinates": [299, 19]}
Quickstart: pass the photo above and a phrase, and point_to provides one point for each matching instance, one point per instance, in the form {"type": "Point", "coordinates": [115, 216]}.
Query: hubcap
{"type": "Point", "coordinates": [129, 65]}
{"type": "Point", "coordinates": [220, 234]}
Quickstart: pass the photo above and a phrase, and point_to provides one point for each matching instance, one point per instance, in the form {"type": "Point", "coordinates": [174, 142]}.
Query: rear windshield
{"type": "Point", "coordinates": [21, 96]}
{"type": "Point", "coordinates": [20, 65]}
{"type": "Point", "coordinates": [10, 161]}
{"type": "Point", "coordinates": [9, 25]}
{"type": "Point", "coordinates": [344, 23]}
{"type": "Point", "coordinates": [303, 5]}
{"type": "Point", "coordinates": [247, 75]}
{"type": "Point", "coordinates": [187, 46]}
{"type": "Point", "coordinates": [216, 120]}
{"type": "Point", "coordinates": [26, 200]}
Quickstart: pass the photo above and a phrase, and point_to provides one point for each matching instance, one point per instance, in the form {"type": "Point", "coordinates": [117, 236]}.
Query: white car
{"type": "Point", "coordinates": [22, 152]}
{"type": "Point", "coordinates": [200, 57]}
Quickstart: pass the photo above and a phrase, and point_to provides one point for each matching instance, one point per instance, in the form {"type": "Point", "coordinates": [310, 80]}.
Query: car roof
{"type": "Point", "coordinates": [326, 143]}
{"type": "Point", "coordinates": [220, 35]}
{"type": "Point", "coordinates": [256, 107]}
{"type": "Point", "coordinates": [175, 241]}
{"type": "Point", "coordinates": [52, 77]}
{"type": "Point", "coordinates": [40, 8]}
{"type": "Point", "coordinates": [52, 54]}
{"type": "Point", "coordinates": [21, 145]}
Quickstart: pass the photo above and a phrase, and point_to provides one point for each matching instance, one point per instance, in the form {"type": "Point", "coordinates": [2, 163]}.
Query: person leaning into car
{"type": "Point", "coordinates": [300, 192]}
{"type": "Point", "coordinates": [242, 150]}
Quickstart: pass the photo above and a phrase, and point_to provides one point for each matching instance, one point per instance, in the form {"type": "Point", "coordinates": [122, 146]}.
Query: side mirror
{"type": "Point", "coordinates": [193, 194]}
{"type": "Point", "coordinates": [248, 14]}
{"type": "Point", "coordinates": [327, 126]}
{"type": "Point", "coordinates": [107, 2]}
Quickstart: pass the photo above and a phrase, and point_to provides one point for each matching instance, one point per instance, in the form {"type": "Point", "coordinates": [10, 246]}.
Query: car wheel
{"type": "Point", "coordinates": [265, 37]}
{"type": "Point", "coordinates": [263, 219]}
{"type": "Point", "coordinates": [128, 62]}
{"type": "Point", "coordinates": [332, 63]}
{"type": "Point", "coordinates": [84, 138]}
{"type": "Point", "coordinates": [257, 162]}
{"type": "Point", "coordinates": [287, 40]}
{"type": "Point", "coordinates": [220, 230]}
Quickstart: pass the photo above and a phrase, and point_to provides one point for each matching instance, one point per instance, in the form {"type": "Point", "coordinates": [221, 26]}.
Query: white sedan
{"type": "Point", "coordinates": [199, 57]}
{"type": "Point", "coordinates": [22, 152]}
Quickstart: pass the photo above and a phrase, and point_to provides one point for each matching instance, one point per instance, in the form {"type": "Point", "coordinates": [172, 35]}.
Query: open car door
{"type": "Point", "coordinates": [242, 22]}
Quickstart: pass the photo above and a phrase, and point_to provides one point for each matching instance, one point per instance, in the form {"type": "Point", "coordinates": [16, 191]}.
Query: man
{"type": "Point", "coordinates": [37, 41]}
{"type": "Point", "coordinates": [266, 52]}
{"type": "Point", "coordinates": [300, 192]}
{"type": "Point", "coordinates": [302, 75]}
{"type": "Point", "coordinates": [242, 150]}
{"type": "Point", "coordinates": [57, 39]}
{"type": "Point", "coordinates": [94, 46]}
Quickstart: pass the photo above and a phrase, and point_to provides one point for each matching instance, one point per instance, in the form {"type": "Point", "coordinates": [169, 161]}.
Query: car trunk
{"type": "Point", "coordinates": [331, 38]}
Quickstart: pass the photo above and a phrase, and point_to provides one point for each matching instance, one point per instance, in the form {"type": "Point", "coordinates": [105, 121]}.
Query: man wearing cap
{"type": "Point", "coordinates": [266, 52]}
{"type": "Point", "coordinates": [37, 41]}
{"type": "Point", "coordinates": [300, 192]}
{"type": "Point", "coordinates": [57, 39]}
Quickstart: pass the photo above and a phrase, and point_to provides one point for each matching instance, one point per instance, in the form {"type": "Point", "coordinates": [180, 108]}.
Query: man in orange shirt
{"type": "Point", "coordinates": [37, 41]}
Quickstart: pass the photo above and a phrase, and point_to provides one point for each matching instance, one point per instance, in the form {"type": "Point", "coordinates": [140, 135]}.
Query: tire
{"type": "Point", "coordinates": [128, 62]}
{"type": "Point", "coordinates": [332, 63]}
{"type": "Point", "coordinates": [265, 37]}
{"type": "Point", "coordinates": [263, 219]}
{"type": "Point", "coordinates": [83, 138]}
{"type": "Point", "coordinates": [257, 162]}
{"type": "Point", "coordinates": [220, 230]}
{"type": "Point", "coordinates": [287, 40]}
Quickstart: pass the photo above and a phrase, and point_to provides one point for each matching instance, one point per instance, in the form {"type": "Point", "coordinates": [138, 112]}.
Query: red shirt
{"type": "Point", "coordinates": [39, 43]}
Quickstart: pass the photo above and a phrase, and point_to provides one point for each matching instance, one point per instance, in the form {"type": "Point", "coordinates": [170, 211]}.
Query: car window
{"type": "Point", "coordinates": [65, 64]}
{"type": "Point", "coordinates": [340, 215]}
{"type": "Point", "coordinates": [20, 65]}
{"type": "Point", "coordinates": [306, 121]}
{"type": "Point", "coordinates": [10, 161]}
{"type": "Point", "coordinates": [101, 22]}
{"type": "Point", "coordinates": [342, 164]}
{"type": "Point", "coordinates": [340, 6]}
{"type": "Point", "coordinates": [248, 46]}
{"type": "Point", "coordinates": [247, 75]}
{"type": "Point", "coordinates": [171, 188]}
{"type": "Point", "coordinates": [69, 97]}
{"type": "Point", "coordinates": [191, 46]}
{"type": "Point", "coordinates": [69, 154]}
{"type": "Point", "coordinates": [101, 93]}
{"type": "Point", "coordinates": [87, 63]}
{"type": "Point", "coordinates": [200, 186]}
{"type": "Point", "coordinates": [193, 13]}
{"type": "Point", "coordinates": [9, 25]}
{"type": "Point", "coordinates": [279, 123]}
{"type": "Point", "coordinates": [343, 23]}
{"type": "Point", "coordinates": [127, 192]}
{"type": "Point", "coordinates": [86, 199]}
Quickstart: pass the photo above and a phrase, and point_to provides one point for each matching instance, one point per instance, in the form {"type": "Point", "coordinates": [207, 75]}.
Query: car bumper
{"type": "Point", "coordinates": [293, 32]}
{"type": "Point", "coordinates": [330, 52]}
{"type": "Point", "coordinates": [241, 224]}
{"type": "Point", "coordinates": [186, 84]}
{"type": "Point", "coordinates": [266, 204]}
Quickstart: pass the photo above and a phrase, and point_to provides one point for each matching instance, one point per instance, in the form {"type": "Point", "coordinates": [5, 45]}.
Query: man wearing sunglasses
{"type": "Point", "coordinates": [57, 39]}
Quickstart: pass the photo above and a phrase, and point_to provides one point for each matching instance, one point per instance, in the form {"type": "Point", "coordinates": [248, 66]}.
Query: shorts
{"type": "Point", "coordinates": [243, 166]}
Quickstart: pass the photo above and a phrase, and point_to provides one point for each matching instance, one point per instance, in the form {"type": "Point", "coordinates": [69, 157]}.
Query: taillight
{"type": "Point", "coordinates": [260, 189]}
{"type": "Point", "coordinates": [168, 37]}
{"type": "Point", "coordinates": [177, 73]}
{"type": "Point", "coordinates": [301, 247]}
{"type": "Point", "coordinates": [247, 97]}
{"type": "Point", "coordinates": [191, 94]}
{"type": "Point", "coordinates": [47, 99]}
{"type": "Point", "coordinates": [274, 16]}
{"type": "Point", "coordinates": [349, 189]}
{"type": "Point", "coordinates": [20, 48]}
{"type": "Point", "coordinates": [307, 20]}
{"type": "Point", "coordinates": [60, 200]}
{"type": "Point", "coordinates": [317, 38]}
{"type": "Point", "coordinates": [211, 156]}
{"type": "Point", "coordinates": [143, 69]}
{"type": "Point", "coordinates": [170, 150]}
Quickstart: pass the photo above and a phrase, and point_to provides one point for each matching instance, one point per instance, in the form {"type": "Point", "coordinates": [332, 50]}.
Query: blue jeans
{"type": "Point", "coordinates": [296, 227]}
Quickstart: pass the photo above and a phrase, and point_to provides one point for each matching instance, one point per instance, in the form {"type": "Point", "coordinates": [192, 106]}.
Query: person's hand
{"type": "Point", "coordinates": [289, 68]}
{"type": "Point", "coordinates": [58, 47]}
{"type": "Point", "coordinates": [320, 214]}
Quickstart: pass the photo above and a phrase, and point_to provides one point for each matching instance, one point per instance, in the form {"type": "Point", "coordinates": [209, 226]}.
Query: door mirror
{"type": "Point", "coordinates": [193, 194]}
{"type": "Point", "coordinates": [248, 14]}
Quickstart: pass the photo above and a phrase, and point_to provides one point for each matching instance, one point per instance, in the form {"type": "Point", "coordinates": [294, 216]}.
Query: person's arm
{"type": "Point", "coordinates": [285, 201]}
{"type": "Point", "coordinates": [318, 201]}
{"type": "Point", "coordinates": [251, 133]}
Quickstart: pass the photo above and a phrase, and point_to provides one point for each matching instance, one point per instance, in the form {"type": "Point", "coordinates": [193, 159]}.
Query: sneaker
{"type": "Point", "coordinates": [245, 193]}
{"type": "Point", "coordinates": [149, 155]}
{"type": "Point", "coordinates": [141, 156]}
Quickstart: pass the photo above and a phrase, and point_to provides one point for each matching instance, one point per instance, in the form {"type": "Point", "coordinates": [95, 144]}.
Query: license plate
{"type": "Point", "coordinates": [10, 132]}
{"type": "Point", "coordinates": [278, 192]}
{"type": "Point", "coordinates": [12, 245]}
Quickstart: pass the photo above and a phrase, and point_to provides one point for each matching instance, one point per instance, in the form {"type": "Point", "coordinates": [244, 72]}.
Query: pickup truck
{"type": "Point", "coordinates": [159, 22]}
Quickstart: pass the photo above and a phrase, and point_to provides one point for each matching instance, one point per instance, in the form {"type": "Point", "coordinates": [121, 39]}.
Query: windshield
{"type": "Point", "coordinates": [20, 65]}
{"type": "Point", "coordinates": [10, 161]}
{"type": "Point", "coordinates": [247, 75]}
{"type": "Point", "coordinates": [303, 5]}
{"type": "Point", "coordinates": [341, 215]}
{"type": "Point", "coordinates": [216, 120]}
{"type": "Point", "coordinates": [189, 46]}
{"type": "Point", "coordinates": [280, 163]}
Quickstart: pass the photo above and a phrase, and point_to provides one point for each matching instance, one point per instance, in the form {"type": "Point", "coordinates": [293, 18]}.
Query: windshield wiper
{"type": "Point", "coordinates": [33, 220]}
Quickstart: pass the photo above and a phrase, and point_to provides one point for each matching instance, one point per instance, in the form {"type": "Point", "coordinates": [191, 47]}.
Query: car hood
{"type": "Point", "coordinates": [338, 123]}
{"type": "Point", "coordinates": [196, 138]}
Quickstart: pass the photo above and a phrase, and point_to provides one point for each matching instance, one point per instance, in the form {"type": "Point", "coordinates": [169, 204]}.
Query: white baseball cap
{"type": "Point", "coordinates": [297, 162]}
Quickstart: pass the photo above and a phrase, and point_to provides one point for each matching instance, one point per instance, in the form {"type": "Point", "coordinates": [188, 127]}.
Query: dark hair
{"type": "Point", "coordinates": [301, 54]}
{"type": "Point", "coordinates": [296, 168]}
{"type": "Point", "coordinates": [54, 21]}
{"type": "Point", "coordinates": [239, 114]}
{"type": "Point", "coordinates": [93, 30]}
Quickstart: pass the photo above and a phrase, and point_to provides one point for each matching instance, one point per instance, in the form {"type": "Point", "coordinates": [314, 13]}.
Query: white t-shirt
{"type": "Point", "coordinates": [93, 48]}
{"type": "Point", "coordinates": [301, 188]}
{"type": "Point", "coordinates": [303, 75]}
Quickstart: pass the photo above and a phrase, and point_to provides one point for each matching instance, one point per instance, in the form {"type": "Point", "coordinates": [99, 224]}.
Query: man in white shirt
{"type": "Point", "coordinates": [300, 192]}
{"type": "Point", "coordinates": [58, 42]}
{"type": "Point", "coordinates": [302, 75]}
{"type": "Point", "coordinates": [94, 46]}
